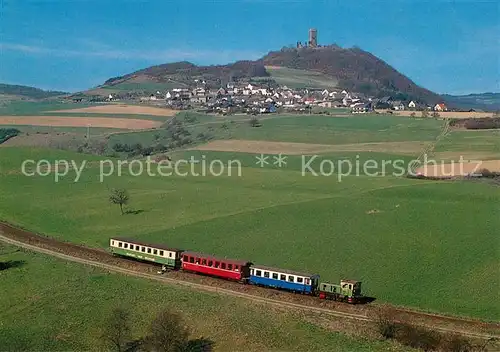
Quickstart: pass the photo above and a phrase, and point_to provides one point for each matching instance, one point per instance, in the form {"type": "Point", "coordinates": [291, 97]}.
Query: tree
{"type": "Point", "coordinates": [425, 113]}
{"type": "Point", "coordinates": [167, 333]}
{"type": "Point", "coordinates": [117, 333]}
{"type": "Point", "coordinates": [254, 122]}
{"type": "Point", "coordinates": [413, 114]}
{"type": "Point", "coordinates": [435, 114]}
{"type": "Point", "coordinates": [120, 197]}
{"type": "Point", "coordinates": [385, 320]}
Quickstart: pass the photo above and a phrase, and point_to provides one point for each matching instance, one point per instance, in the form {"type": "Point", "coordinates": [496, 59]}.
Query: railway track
{"type": "Point", "coordinates": [229, 292]}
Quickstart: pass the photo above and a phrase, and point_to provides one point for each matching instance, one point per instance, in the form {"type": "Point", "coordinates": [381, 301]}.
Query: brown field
{"type": "Point", "coordinates": [446, 114]}
{"type": "Point", "coordinates": [122, 109]}
{"type": "Point", "coordinates": [459, 169]}
{"type": "Point", "coordinates": [264, 147]}
{"type": "Point", "coordinates": [131, 124]}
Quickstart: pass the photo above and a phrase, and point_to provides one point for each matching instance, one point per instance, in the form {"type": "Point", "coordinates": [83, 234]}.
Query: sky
{"type": "Point", "coordinates": [71, 45]}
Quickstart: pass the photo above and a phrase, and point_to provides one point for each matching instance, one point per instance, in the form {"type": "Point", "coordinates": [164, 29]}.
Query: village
{"type": "Point", "coordinates": [254, 99]}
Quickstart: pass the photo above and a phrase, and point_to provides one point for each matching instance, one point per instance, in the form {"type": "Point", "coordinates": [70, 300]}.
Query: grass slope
{"type": "Point", "coordinates": [294, 78]}
{"type": "Point", "coordinates": [50, 305]}
{"type": "Point", "coordinates": [402, 237]}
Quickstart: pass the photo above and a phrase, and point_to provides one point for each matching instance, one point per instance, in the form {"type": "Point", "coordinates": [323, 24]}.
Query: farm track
{"type": "Point", "coordinates": [101, 259]}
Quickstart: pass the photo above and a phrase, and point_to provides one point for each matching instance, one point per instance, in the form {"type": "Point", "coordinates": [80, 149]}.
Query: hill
{"type": "Point", "coordinates": [300, 78]}
{"type": "Point", "coordinates": [185, 73]}
{"type": "Point", "coordinates": [27, 92]}
{"type": "Point", "coordinates": [324, 67]}
{"type": "Point", "coordinates": [483, 101]}
{"type": "Point", "coordinates": [355, 69]}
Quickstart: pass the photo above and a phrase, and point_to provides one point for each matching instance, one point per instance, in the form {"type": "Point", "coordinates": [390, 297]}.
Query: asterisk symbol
{"type": "Point", "coordinates": [280, 160]}
{"type": "Point", "coordinates": [262, 160]}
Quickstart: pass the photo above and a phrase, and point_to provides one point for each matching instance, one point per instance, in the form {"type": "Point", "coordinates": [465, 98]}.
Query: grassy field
{"type": "Point", "coordinates": [51, 305]}
{"type": "Point", "coordinates": [301, 78]}
{"type": "Point", "coordinates": [403, 238]}
{"type": "Point", "coordinates": [480, 145]}
{"type": "Point", "coordinates": [36, 108]}
{"type": "Point", "coordinates": [319, 129]}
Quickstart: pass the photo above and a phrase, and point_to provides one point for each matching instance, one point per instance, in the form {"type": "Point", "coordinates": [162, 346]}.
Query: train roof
{"type": "Point", "coordinates": [220, 259]}
{"type": "Point", "coordinates": [147, 244]}
{"type": "Point", "coordinates": [284, 271]}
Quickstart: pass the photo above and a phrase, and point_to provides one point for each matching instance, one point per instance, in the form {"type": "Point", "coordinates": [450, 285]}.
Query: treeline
{"type": "Point", "coordinates": [174, 136]}
{"type": "Point", "coordinates": [419, 337]}
{"type": "Point", "coordinates": [7, 133]}
{"type": "Point", "coordinates": [357, 70]}
{"type": "Point", "coordinates": [484, 123]}
{"type": "Point", "coordinates": [167, 332]}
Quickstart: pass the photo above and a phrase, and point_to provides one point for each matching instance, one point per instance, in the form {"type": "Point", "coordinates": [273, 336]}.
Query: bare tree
{"type": "Point", "coordinates": [167, 333]}
{"type": "Point", "coordinates": [117, 333]}
{"type": "Point", "coordinates": [385, 320]}
{"type": "Point", "coordinates": [120, 197]}
{"type": "Point", "coordinates": [425, 113]}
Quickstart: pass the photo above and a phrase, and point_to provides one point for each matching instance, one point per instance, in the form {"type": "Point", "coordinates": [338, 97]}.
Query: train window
{"type": "Point", "coordinates": [324, 287]}
{"type": "Point", "coordinates": [204, 262]}
{"type": "Point", "coordinates": [210, 263]}
{"type": "Point", "coordinates": [136, 248]}
{"type": "Point", "coordinates": [290, 278]}
{"type": "Point", "coordinates": [236, 268]}
{"type": "Point", "coordinates": [119, 244]}
{"type": "Point", "coordinates": [266, 274]}
{"type": "Point", "coordinates": [185, 258]}
{"type": "Point", "coordinates": [275, 276]}
{"type": "Point", "coordinates": [112, 243]}
{"type": "Point", "coordinates": [197, 260]}
{"type": "Point", "coordinates": [283, 277]}
{"type": "Point", "coordinates": [170, 254]}
{"type": "Point", "coordinates": [149, 250]}
{"type": "Point", "coordinates": [191, 259]}
{"type": "Point", "coordinates": [299, 280]}
{"type": "Point", "coordinates": [217, 264]}
{"type": "Point", "coordinates": [307, 281]}
{"type": "Point", "coordinates": [125, 245]}
{"type": "Point", "coordinates": [155, 251]}
{"type": "Point", "coordinates": [223, 265]}
{"type": "Point", "coordinates": [161, 253]}
{"type": "Point", "coordinates": [143, 249]}
{"type": "Point", "coordinates": [230, 267]}
{"type": "Point", "coordinates": [258, 273]}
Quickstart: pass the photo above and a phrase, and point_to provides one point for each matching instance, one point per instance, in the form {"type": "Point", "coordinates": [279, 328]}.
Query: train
{"type": "Point", "coordinates": [241, 271]}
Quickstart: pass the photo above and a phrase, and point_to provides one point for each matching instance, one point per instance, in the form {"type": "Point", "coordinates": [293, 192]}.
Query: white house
{"type": "Point", "coordinates": [440, 107]}
{"type": "Point", "coordinates": [412, 104]}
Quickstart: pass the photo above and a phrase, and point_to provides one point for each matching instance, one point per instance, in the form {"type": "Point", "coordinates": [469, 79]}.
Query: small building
{"type": "Point", "coordinates": [412, 105]}
{"type": "Point", "coordinates": [440, 107]}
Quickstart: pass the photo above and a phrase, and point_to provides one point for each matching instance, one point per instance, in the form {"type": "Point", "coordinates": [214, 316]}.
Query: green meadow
{"type": "Point", "coordinates": [423, 244]}
{"type": "Point", "coordinates": [294, 78]}
{"type": "Point", "coordinates": [52, 305]}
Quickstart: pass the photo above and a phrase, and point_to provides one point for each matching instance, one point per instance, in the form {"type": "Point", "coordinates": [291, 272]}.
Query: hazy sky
{"type": "Point", "coordinates": [446, 46]}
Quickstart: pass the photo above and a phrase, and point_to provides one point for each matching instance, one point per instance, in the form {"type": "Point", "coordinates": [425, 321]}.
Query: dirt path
{"type": "Point", "coordinates": [359, 314]}
{"type": "Point", "coordinates": [458, 168]}
{"type": "Point", "coordinates": [288, 148]}
{"type": "Point", "coordinates": [77, 121]}
{"type": "Point", "coordinates": [123, 109]}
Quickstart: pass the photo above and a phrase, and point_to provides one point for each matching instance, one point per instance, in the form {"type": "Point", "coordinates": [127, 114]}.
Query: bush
{"type": "Point", "coordinates": [455, 343]}
{"type": "Point", "coordinates": [254, 122]}
{"type": "Point", "coordinates": [7, 133]}
{"type": "Point", "coordinates": [417, 337]}
{"type": "Point", "coordinates": [386, 322]}
{"type": "Point", "coordinates": [482, 123]}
